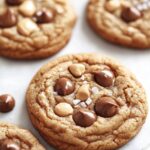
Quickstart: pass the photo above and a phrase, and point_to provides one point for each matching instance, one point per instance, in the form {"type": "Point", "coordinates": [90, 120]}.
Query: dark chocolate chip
{"type": "Point", "coordinates": [7, 103]}
{"type": "Point", "coordinates": [14, 2]}
{"type": "Point", "coordinates": [104, 78]}
{"type": "Point", "coordinates": [106, 107]}
{"type": "Point", "coordinates": [130, 14]}
{"type": "Point", "coordinates": [44, 16]}
{"type": "Point", "coordinates": [64, 86]}
{"type": "Point", "coordinates": [8, 18]}
{"type": "Point", "coordinates": [9, 145]}
{"type": "Point", "coordinates": [84, 118]}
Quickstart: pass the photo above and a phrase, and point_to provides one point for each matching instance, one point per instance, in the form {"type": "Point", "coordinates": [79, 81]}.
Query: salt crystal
{"type": "Point", "coordinates": [55, 93]}
{"type": "Point", "coordinates": [82, 78]}
{"type": "Point", "coordinates": [82, 104]}
{"type": "Point", "coordinates": [76, 101]}
{"type": "Point", "coordinates": [85, 82]}
{"type": "Point", "coordinates": [88, 101]}
{"type": "Point", "coordinates": [95, 90]}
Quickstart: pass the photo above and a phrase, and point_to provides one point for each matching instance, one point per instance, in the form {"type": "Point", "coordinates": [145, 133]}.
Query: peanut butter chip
{"type": "Point", "coordinates": [8, 18]}
{"type": "Point", "coordinates": [63, 109]}
{"type": "Point", "coordinates": [27, 8]}
{"type": "Point", "coordinates": [83, 117]}
{"type": "Point", "coordinates": [106, 107]}
{"type": "Point", "coordinates": [27, 26]}
{"type": "Point", "coordinates": [130, 14]}
{"type": "Point", "coordinates": [83, 92]}
{"type": "Point", "coordinates": [77, 69]}
{"type": "Point", "coordinates": [112, 5]}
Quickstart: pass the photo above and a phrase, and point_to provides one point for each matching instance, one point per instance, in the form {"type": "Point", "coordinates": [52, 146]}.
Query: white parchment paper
{"type": "Point", "coordinates": [16, 75]}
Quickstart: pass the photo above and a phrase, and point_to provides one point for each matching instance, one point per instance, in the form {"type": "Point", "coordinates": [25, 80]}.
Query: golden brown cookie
{"type": "Point", "coordinates": [14, 138]}
{"type": "Point", "coordinates": [86, 102]}
{"type": "Point", "coordinates": [124, 22]}
{"type": "Point", "coordinates": [32, 29]}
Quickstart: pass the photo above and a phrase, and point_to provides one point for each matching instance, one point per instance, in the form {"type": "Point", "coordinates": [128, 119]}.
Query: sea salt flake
{"type": "Point", "coordinates": [83, 77]}
{"type": "Point", "coordinates": [85, 82]}
{"type": "Point", "coordinates": [55, 93]}
{"type": "Point", "coordinates": [95, 90]}
{"type": "Point", "coordinates": [82, 104]}
{"type": "Point", "coordinates": [88, 101]}
{"type": "Point", "coordinates": [76, 101]}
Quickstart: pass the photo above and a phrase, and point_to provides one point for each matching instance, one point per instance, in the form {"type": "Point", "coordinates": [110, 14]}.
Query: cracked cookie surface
{"type": "Point", "coordinates": [14, 138]}
{"type": "Point", "coordinates": [86, 101]}
{"type": "Point", "coordinates": [32, 29]}
{"type": "Point", "coordinates": [122, 22]}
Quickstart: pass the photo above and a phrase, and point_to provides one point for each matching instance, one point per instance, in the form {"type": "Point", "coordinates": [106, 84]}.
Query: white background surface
{"type": "Point", "coordinates": [16, 75]}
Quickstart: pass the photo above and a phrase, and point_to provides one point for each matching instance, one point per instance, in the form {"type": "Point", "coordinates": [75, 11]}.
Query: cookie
{"type": "Point", "coordinates": [33, 29]}
{"type": "Point", "coordinates": [14, 138]}
{"type": "Point", "coordinates": [124, 22]}
{"type": "Point", "coordinates": [86, 101]}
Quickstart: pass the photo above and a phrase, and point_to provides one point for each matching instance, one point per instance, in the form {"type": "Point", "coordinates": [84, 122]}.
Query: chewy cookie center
{"type": "Point", "coordinates": [83, 87]}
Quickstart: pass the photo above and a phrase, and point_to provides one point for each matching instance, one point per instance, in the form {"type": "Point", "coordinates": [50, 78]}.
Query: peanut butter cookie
{"type": "Point", "coordinates": [124, 22]}
{"type": "Point", "coordinates": [86, 102]}
{"type": "Point", "coordinates": [14, 138]}
{"type": "Point", "coordinates": [32, 29]}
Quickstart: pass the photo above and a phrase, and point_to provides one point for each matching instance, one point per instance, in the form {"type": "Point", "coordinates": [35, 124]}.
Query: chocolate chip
{"type": "Point", "coordinates": [130, 14]}
{"type": "Point", "coordinates": [64, 86]}
{"type": "Point", "coordinates": [9, 145]}
{"type": "Point", "coordinates": [14, 2]}
{"type": "Point", "coordinates": [7, 103]}
{"type": "Point", "coordinates": [83, 117]}
{"type": "Point", "coordinates": [106, 107]}
{"type": "Point", "coordinates": [8, 19]}
{"type": "Point", "coordinates": [104, 78]}
{"type": "Point", "coordinates": [44, 16]}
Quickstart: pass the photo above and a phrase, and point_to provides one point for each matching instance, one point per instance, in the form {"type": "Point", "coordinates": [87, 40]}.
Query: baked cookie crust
{"type": "Point", "coordinates": [67, 109]}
